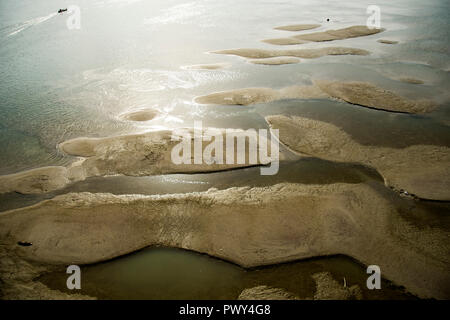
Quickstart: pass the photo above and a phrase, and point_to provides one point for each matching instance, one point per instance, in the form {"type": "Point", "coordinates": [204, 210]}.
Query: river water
{"type": "Point", "coordinates": [58, 84]}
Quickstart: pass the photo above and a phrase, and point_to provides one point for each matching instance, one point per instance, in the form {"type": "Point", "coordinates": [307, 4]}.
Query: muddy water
{"type": "Point", "coordinates": [294, 170]}
{"type": "Point", "coordinates": [155, 273]}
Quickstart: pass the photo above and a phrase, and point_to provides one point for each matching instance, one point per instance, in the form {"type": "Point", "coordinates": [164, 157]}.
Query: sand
{"type": "Point", "coordinates": [297, 27]}
{"type": "Point", "coordinates": [299, 53]}
{"type": "Point", "coordinates": [329, 289]}
{"type": "Point", "coordinates": [275, 61]}
{"type": "Point", "coordinates": [266, 293]}
{"type": "Point", "coordinates": [368, 95]}
{"type": "Point", "coordinates": [132, 155]}
{"type": "Point", "coordinates": [358, 93]}
{"type": "Point", "coordinates": [17, 279]}
{"type": "Point", "coordinates": [141, 115]}
{"type": "Point", "coordinates": [339, 34]}
{"type": "Point", "coordinates": [420, 170]}
{"type": "Point", "coordinates": [411, 80]}
{"type": "Point", "coordinates": [284, 41]}
{"type": "Point", "coordinates": [387, 41]}
{"type": "Point", "coordinates": [249, 96]}
{"type": "Point", "coordinates": [38, 180]}
{"type": "Point", "coordinates": [247, 226]}
{"type": "Point", "coordinates": [329, 35]}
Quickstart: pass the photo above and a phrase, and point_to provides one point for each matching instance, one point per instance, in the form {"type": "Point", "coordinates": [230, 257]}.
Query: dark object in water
{"type": "Point", "coordinates": [62, 10]}
{"type": "Point", "coordinates": [24, 244]}
{"type": "Point", "coordinates": [328, 19]}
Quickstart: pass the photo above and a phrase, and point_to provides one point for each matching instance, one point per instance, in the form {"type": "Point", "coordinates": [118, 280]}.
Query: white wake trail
{"type": "Point", "coordinates": [32, 22]}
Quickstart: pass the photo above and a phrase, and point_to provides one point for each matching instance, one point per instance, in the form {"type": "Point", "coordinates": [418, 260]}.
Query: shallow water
{"type": "Point", "coordinates": [59, 84]}
{"type": "Point", "coordinates": [155, 273]}
{"type": "Point", "coordinates": [308, 171]}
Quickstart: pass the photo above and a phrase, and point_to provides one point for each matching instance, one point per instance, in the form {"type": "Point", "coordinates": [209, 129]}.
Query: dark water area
{"type": "Point", "coordinates": [155, 273]}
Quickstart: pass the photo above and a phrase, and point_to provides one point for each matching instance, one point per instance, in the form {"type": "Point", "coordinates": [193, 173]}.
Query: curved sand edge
{"type": "Point", "coordinates": [249, 96]}
{"type": "Point", "coordinates": [284, 41]}
{"type": "Point", "coordinates": [297, 27]}
{"type": "Point", "coordinates": [133, 155]}
{"type": "Point", "coordinates": [328, 35]}
{"type": "Point", "coordinates": [359, 93]}
{"type": "Point", "coordinates": [420, 170]}
{"type": "Point", "coordinates": [266, 225]}
{"type": "Point", "coordinates": [369, 95]}
{"type": "Point", "coordinates": [299, 53]}
{"type": "Point", "coordinates": [338, 34]}
{"type": "Point", "coordinates": [387, 41]}
{"type": "Point", "coordinates": [275, 61]}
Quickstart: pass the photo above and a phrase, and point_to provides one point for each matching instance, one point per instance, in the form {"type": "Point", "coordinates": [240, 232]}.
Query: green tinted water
{"type": "Point", "coordinates": [165, 273]}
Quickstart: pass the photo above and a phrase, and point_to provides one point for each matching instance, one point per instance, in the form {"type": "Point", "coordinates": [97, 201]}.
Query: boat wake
{"type": "Point", "coordinates": [19, 27]}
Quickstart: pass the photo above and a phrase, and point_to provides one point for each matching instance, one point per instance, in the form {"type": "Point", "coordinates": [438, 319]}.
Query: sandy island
{"type": "Point", "coordinates": [369, 95]}
{"type": "Point", "coordinates": [339, 34]}
{"type": "Point", "coordinates": [133, 155]}
{"type": "Point", "coordinates": [284, 41]}
{"type": "Point", "coordinates": [328, 35]}
{"type": "Point", "coordinates": [299, 53]}
{"type": "Point", "coordinates": [298, 27]}
{"type": "Point", "coordinates": [249, 96]}
{"type": "Point", "coordinates": [420, 170]}
{"type": "Point", "coordinates": [267, 225]}
{"type": "Point", "coordinates": [359, 93]}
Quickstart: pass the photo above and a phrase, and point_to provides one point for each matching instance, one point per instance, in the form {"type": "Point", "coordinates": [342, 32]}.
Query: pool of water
{"type": "Point", "coordinates": [168, 273]}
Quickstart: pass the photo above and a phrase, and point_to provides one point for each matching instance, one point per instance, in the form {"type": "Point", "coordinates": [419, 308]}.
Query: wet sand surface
{"type": "Point", "coordinates": [298, 27]}
{"type": "Point", "coordinates": [339, 34]}
{"type": "Point", "coordinates": [275, 61]}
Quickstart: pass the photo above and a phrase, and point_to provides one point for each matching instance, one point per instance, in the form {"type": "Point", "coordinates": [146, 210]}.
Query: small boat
{"type": "Point", "coordinates": [62, 10]}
